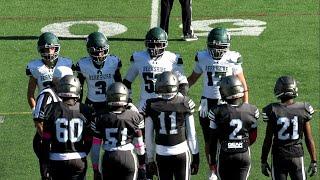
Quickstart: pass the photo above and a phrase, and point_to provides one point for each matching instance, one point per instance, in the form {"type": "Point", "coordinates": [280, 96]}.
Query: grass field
{"type": "Point", "coordinates": [289, 45]}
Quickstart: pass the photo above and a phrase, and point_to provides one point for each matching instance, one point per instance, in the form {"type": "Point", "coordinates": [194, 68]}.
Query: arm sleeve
{"type": "Point", "coordinates": [191, 134]}
{"type": "Point", "coordinates": [149, 139]}
{"type": "Point", "coordinates": [132, 72]}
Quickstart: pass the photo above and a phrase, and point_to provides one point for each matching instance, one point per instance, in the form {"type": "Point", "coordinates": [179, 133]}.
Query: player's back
{"type": "Point", "coordinates": [118, 129]}
{"type": "Point", "coordinates": [287, 122]}
{"type": "Point", "coordinates": [233, 124]}
{"type": "Point", "coordinates": [68, 125]}
{"type": "Point", "coordinates": [168, 117]}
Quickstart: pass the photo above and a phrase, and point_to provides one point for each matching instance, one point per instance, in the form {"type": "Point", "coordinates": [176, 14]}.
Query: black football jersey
{"type": "Point", "coordinates": [287, 123]}
{"type": "Point", "coordinates": [168, 117]}
{"type": "Point", "coordinates": [232, 124]}
{"type": "Point", "coordinates": [68, 126]}
{"type": "Point", "coordinates": [118, 129]}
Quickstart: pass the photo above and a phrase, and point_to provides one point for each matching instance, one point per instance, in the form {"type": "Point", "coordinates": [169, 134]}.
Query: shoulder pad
{"type": "Point", "coordinates": [239, 60]}
{"type": "Point", "coordinates": [266, 112]}
{"type": "Point", "coordinates": [189, 104]}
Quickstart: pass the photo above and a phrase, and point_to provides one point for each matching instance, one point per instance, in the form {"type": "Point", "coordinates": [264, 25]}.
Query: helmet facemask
{"type": "Point", "coordinates": [99, 54]}
{"type": "Point", "coordinates": [49, 53]}
{"type": "Point", "coordinates": [217, 49]}
{"type": "Point", "coordinates": [156, 47]}
{"type": "Point", "coordinates": [167, 92]}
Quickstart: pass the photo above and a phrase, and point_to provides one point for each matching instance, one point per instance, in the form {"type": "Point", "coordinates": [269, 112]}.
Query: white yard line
{"type": "Point", "coordinates": [154, 13]}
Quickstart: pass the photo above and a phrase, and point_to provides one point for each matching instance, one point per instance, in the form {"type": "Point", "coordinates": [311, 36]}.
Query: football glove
{"type": "Point", "coordinates": [195, 164]}
{"type": "Point", "coordinates": [265, 169]}
{"type": "Point", "coordinates": [313, 168]}
{"type": "Point", "coordinates": [203, 108]}
{"type": "Point", "coordinates": [213, 172]}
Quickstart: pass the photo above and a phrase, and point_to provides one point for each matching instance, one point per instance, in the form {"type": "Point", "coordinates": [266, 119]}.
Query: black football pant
{"type": "Point", "coordinates": [119, 165]}
{"type": "Point", "coordinates": [282, 167]}
{"type": "Point", "coordinates": [234, 166]}
{"type": "Point", "coordinates": [174, 167]}
{"type": "Point", "coordinates": [44, 165]}
{"type": "Point", "coordinates": [166, 6]}
{"type": "Point", "coordinates": [74, 169]}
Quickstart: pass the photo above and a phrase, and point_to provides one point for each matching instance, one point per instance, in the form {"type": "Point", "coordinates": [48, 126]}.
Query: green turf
{"type": "Point", "coordinates": [288, 46]}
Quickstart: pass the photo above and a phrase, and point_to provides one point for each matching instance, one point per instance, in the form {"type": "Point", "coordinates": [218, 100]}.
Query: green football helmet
{"type": "Point", "coordinates": [167, 85]}
{"type": "Point", "coordinates": [46, 42]}
{"type": "Point", "coordinates": [156, 41]}
{"type": "Point", "coordinates": [97, 47]}
{"type": "Point", "coordinates": [69, 86]}
{"type": "Point", "coordinates": [218, 42]}
{"type": "Point", "coordinates": [117, 94]}
{"type": "Point", "coordinates": [230, 88]}
{"type": "Point", "coordinates": [286, 87]}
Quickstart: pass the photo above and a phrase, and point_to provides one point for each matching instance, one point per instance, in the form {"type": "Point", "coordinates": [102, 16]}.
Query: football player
{"type": "Point", "coordinates": [153, 61]}
{"type": "Point", "coordinates": [287, 122]}
{"type": "Point", "coordinates": [215, 62]}
{"type": "Point", "coordinates": [40, 70]}
{"type": "Point", "coordinates": [120, 129]}
{"type": "Point", "coordinates": [233, 129]}
{"type": "Point", "coordinates": [99, 70]}
{"type": "Point", "coordinates": [170, 123]}
{"type": "Point", "coordinates": [67, 135]}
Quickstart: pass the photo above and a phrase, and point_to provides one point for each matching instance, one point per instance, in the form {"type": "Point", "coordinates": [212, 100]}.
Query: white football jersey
{"type": "Point", "coordinates": [213, 70]}
{"type": "Point", "coordinates": [148, 68]}
{"type": "Point", "coordinates": [41, 72]}
{"type": "Point", "coordinates": [98, 80]}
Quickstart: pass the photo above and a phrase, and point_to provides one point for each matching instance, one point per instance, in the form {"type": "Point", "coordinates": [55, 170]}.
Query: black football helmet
{"type": "Point", "coordinates": [156, 41]}
{"type": "Point", "coordinates": [46, 42]}
{"type": "Point", "coordinates": [167, 84]}
{"type": "Point", "coordinates": [218, 42]}
{"type": "Point", "coordinates": [286, 87]}
{"type": "Point", "coordinates": [97, 47]}
{"type": "Point", "coordinates": [230, 88]}
{"type": "Point", "coordinates": [69, 86]}
{"type": "Point", "coordinates": [117, 94]}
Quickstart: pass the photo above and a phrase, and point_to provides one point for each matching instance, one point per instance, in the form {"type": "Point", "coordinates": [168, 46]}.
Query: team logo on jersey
{"type": "Point", "coordinates": [235, 145]}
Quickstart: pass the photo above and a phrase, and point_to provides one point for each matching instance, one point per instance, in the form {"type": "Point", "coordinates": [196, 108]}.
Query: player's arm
{"type": "Point", "coordinates": [149, 139]}
{"type": "Point", "coordinates": [213, 140]}
{"type": "Point", "coordinates": [192, 143]}
{"type": "Point", "coordinates": [132, 73]}
{"type": "Point", "coordinates": [81, 78]}
{"type": "Point", "coordinates": [267, 143]}
{"type": "Point", "coordinates": [196, 73]}
{"type": "Point", "coordinates": [245, 87]}
{"type": "Point", "coordinates": [42, 102]}
{"type": "Point", "coordinates": [117, 75]}
{"type": "Point", "coordinates": [310, 142]}
{"type": "Point", "coordinates": [253, 132]}
{"type": "Point", "coordinates": [32, 85]}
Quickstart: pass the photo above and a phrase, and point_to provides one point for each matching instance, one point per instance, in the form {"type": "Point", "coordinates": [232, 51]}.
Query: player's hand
{"type": "Point", "coordinates": [152, 168]}
{"type": "Point", "coordinates": [195, 164]}
{"type": "Point", "coordinates": [265, 169]}
{"type": "Point", "coordinates": [313, 168]}
{"type": "Point", "coordinates": [97, 175]}
{"type": "Point", "coordinates": [203, 108]}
